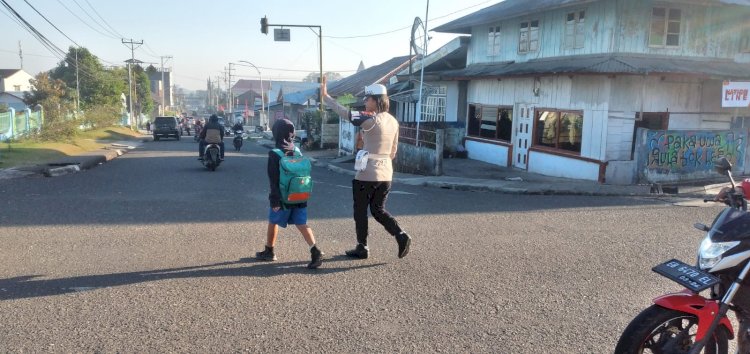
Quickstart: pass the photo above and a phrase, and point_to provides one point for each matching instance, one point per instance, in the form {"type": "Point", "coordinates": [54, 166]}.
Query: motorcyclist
{"type": "Point", "coordinates": [213, 132]}
{"type": "Point", "coordinates": [238, 126]}
{"type": "Point", "coordinates": [198, 126]}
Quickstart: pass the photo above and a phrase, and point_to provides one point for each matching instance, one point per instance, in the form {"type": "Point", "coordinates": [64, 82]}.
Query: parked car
{"type": "Point", "coordinates": [166, 127]}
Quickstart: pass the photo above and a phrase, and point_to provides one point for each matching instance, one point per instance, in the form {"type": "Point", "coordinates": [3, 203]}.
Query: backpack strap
{"type": "Point", "coordinates": [297, 152]}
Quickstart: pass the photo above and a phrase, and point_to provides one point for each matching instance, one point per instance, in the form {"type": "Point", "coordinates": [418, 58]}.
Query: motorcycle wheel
{"type": "Point", "coordinates": [661, 330]}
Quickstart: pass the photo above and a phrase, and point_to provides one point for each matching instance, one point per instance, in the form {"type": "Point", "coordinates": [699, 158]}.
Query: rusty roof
{"type": "Point", "coordinates": [516, 8]}
{"type": "Point", "coordinates": [378, 74]}
{"type": "Point", "coordinates": [634, 64]}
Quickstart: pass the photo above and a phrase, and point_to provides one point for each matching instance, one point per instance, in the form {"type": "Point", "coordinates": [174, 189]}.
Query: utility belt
{"type": "Point", "coordinates": [360, 163]}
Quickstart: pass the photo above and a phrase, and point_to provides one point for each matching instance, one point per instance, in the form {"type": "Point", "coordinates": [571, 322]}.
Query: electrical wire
{"type": "Point", "coordinates": [92, 18]}
{"type": "Point", "coordinates": [50, 23]}
{"type": "Point", "coordinates": [103, 20]}
{"type": "Point", "coordinates": [86, 23]}
{"type": "Point", "coordinates": [407, 27]}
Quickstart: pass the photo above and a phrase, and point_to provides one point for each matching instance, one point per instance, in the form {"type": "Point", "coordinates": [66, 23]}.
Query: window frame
{"type": "Point", "coordinates": [435, 105]}
{"type": "Point", "coordinates": [539, 131]}
{"type": "Point", "coordinates": [524, 43]}
{"type": "Point", "coordinates": [665, 35]}
{"type": "Point", "coordinates": [493, 40]}
{"type": "Point", "coordinates": [17, 88]}
{"type": "Point", "coordinates": [574, 30]}
{"type": "Point", "coordinates": [745, 41]}
{"type": "Point", "coordinates": [498, 109]}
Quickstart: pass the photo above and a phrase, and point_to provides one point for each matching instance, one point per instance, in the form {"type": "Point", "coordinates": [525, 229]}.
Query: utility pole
{"type": "Point", "coordinates": [163, 88]}
{"type": "Point", "coordinates": [130, 84]}
{"type": "Point", "coordinates": [78, 88]}
{"type": "Point", "coordinates": [20, 54]}
{"type": "Point", "coordinates": [229, 89]}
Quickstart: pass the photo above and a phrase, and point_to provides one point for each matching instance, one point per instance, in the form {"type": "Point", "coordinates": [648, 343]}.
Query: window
{"type": "Point", "coordinates": [574, 29]}
{"type": "Point", "coordinates": [16, 87]}
{"type": "Point", "coordinates": [745, 41]}
{"type": "Point", "coordinates": [491, 122]}
{"type": "Point", "coordinates": [665, 27]}
{"type": "Point", "coordinates": [528, 40]}
{"type": "Point", "coordinates": [493, 41]}
{"type": "Point", "coordinates": [433, 105]}
{"type": "Point", "coordinates": [559, 129]}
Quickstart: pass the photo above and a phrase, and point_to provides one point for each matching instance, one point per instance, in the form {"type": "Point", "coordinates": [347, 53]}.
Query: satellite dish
{"type": "Point", "coordinates": [418, 36]}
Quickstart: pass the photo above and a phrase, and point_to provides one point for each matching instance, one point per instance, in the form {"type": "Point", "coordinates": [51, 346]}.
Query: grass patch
{"type": "Point", "coordinates": [35, 153]}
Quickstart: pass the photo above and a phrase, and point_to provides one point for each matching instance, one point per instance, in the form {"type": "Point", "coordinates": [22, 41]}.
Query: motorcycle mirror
{"type": "Point", "coordinates": [723, 166]}
{"type": "Point", "coordinates": [701, 227]}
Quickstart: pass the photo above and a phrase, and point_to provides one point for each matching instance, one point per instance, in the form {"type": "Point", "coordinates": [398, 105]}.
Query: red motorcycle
{"type": "Point", "coordinates": [691, 323]}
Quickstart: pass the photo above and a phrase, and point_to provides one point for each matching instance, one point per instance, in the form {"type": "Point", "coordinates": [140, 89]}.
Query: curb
{"type": "Point", "coordinates": [86, 161]}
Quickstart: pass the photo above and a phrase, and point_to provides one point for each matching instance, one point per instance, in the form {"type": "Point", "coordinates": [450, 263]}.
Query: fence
{"type": "Point", "coordinates": [18, 124]}
{"type": "Point", "coordinates": [427, 135]}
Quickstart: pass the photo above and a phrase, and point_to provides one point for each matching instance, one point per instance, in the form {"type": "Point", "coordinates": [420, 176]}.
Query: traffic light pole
{"type": "Point", "coordinates": [264, 29]}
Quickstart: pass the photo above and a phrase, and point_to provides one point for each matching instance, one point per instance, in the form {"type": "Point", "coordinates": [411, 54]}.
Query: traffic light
{"type": "Point", "coordinates": [264, 25]}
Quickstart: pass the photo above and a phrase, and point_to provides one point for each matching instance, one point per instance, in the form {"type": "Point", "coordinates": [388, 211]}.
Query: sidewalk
{"type": "Point", "coordinates": [466, 174]}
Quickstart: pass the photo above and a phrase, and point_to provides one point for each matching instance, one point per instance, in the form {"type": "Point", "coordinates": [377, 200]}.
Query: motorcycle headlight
{"type": "Point", "coordinates": [711, 252]}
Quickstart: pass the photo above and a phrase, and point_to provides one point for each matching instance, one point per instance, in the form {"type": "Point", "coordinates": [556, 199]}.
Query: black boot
{"type": "Point", "coordinates": [266, 255]}
{"type": "Point", "coordinates": [361, 252]}
{"type": "Point", "coordinates": [316, 258]}
{"type": "Point", "coordinates": [404, 241]}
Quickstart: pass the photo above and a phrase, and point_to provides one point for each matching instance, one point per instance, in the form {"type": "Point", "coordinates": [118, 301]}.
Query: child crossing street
{"type": "Point", "coordinates": [288, 206]}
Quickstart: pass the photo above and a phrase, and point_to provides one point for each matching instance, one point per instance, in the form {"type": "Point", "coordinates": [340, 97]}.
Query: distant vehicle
{"type": "Point", "coordinates": [166, 127]}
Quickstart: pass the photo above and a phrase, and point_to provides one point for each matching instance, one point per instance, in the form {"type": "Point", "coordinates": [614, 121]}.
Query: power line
{"type": "Point", "coordinates": [50, 23]}
{"type": "Point", "coordinates": [86, 23]}
{"type": "Point", "coordinates": [92, 18]}
{"type": "Point", "coordinates": [404, 28]}
{"type": "Point", "coordinates": [103, 20]}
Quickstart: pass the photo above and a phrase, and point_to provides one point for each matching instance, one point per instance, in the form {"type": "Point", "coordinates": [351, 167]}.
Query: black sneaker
{"type": "Point", "coordinates": [361, 252]}
{"type": "Point", "coordinates": [316, 258]}
{"type": "Point", "coordinates": [404, 241]}
{"type": "Point", "coordinates": [265, 255]}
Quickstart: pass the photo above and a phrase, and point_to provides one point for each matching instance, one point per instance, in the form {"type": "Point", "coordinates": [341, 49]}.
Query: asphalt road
{"type": "Point", "coordinates": [150, 253]}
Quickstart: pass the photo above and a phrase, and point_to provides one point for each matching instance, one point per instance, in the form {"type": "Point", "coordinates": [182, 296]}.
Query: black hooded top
{"type": "Point", "coordinates": [283, 136]}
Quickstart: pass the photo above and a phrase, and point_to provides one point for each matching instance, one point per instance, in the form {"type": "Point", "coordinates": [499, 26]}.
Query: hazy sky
{"type": "Point", "coordinates": [204, 36]}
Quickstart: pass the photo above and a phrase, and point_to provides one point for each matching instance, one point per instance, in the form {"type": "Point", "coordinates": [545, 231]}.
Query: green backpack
{"type": "Point", "coordinates": [295, 182]}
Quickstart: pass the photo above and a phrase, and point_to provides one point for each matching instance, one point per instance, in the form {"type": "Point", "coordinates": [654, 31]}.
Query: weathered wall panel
{"type": "Point", "coordinates": [678, 155]}
{"type": "Point", "coordinates": [705, 31]}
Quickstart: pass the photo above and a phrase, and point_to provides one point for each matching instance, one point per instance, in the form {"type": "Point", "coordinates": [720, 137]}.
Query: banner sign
{"type": "Point", "coordinates": [735, 94]}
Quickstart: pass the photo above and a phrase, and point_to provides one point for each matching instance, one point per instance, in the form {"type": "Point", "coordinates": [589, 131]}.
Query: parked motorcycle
{"type": "Point", "coordinates": [239, 135]}
{"type": "Point", "coordinates": [687, 322]}
{"type": "Point", "coordinates": [211, 156]}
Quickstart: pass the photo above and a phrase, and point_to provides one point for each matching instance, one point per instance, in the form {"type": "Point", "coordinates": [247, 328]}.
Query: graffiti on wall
{"type": "Point", "coordinates": [686, 152]}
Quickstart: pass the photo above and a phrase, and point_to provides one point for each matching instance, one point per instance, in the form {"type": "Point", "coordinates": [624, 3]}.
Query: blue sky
{"type": "Point", "coordinates": [204, 36]}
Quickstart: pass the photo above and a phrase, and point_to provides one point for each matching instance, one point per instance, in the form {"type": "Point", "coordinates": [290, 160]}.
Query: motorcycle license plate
{"type": "Point", "coordinates": [686, 275]}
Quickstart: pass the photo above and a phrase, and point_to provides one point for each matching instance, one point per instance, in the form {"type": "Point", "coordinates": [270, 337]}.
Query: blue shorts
{"type": "Point", "coordinates": [294, 216]}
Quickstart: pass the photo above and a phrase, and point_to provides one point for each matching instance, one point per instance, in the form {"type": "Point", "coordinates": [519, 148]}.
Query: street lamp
{"type": "Point", "coordinates": [262, 93]}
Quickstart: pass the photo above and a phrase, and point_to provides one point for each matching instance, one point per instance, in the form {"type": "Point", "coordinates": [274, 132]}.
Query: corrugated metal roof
{"type": "Point", "coordinates": [379, 74]}
{"type": "Point", "coordinates": [299, 97]}
{"type": "Point", "coordinates": [8, 72]}
{"type": "Point", "coordinates": [515, 8]}
{"type": "Point", "coordinates": [607, 64]}
{"type": "Point", "coordinates": [503, 10]}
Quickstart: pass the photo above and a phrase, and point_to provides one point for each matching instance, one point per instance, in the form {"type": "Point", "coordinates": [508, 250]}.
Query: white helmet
{"type": "Point", "coordinates": [375, 89]}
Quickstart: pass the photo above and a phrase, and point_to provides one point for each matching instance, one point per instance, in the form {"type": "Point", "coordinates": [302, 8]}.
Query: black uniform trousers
{"type": "Point", "coordinates": [373, 195]}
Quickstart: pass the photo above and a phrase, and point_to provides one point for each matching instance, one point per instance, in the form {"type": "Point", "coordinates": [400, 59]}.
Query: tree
{"type": "Point", "coordinates": [143, 90]}
{"type": "Point", "coordinates": [56, 100]}
{"type": "Point", "coordinates": [97, 85]}
{"type": "Point", "coordinates": [315, 77]}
